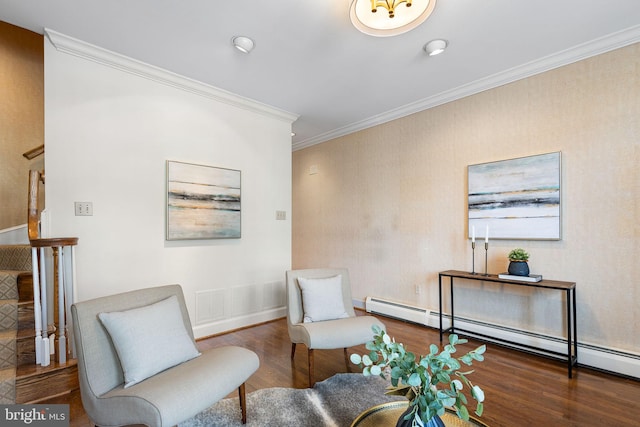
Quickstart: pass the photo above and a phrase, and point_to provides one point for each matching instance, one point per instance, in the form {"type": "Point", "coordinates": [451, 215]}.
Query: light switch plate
{"type": "Point", "coordinates": [84, 208]}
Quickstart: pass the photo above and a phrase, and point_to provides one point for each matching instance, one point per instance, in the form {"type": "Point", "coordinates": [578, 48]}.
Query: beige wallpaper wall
{"type": "Point", "coordinates": [389, 202]}
{"type": "Point", "coordinates": [21, 117]}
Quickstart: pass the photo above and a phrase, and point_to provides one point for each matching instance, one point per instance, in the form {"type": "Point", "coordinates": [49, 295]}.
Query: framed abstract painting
{"type": "Point", "coordinates": [516, 198]}
{"type": "Point", "coordinates": [203, 202]}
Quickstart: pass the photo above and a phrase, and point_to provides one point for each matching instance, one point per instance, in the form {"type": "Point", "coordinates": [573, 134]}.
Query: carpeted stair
{"type": "Point", "coordinates": [15, 261]}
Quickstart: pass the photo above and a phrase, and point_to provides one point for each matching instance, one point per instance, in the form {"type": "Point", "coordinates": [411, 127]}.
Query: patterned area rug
{"type": "Point", "coordinates": [335, 402]}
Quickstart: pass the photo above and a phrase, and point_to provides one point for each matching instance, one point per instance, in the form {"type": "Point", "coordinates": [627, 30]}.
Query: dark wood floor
{"type": "Point", "coordinates": [520, 389]}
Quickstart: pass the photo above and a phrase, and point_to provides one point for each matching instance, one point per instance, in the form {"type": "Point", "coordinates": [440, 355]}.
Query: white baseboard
{"type": "Point", "coordinates": [230, 324]}
{"type": "Point", "coordinates": [358, 304]}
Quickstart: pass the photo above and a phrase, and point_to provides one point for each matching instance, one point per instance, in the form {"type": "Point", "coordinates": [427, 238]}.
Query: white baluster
{"type": "Point", "coordinates": [62, 345]}
{"type": "Point", "coordinates": [70, 297]}
{"type": "Point", "coordinates": [46, 351]}
{"type": "Point", "coordinates": [37, 312]}
{"type": "Point", "coordinates": [69, 278]}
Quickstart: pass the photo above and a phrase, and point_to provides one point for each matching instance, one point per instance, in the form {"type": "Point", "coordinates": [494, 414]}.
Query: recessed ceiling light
{"type": "Point", "coordinates": [435, 47]}
{"type": "Point", "coordinates": [243, 44]}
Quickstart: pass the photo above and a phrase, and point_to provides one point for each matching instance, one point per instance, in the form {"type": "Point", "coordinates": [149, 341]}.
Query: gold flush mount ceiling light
{"type": "Point", "coordinates": [383, 18]}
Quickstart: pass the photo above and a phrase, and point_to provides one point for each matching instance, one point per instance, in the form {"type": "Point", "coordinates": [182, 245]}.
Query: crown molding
{"type": "Point", "coordinates": [583, 51]}
{"type": "Point", "coordinates": [79, 48]}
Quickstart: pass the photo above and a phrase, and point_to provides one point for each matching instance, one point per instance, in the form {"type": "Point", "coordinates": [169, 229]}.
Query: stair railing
{"type": "Point", "coordinates": [63, 253]}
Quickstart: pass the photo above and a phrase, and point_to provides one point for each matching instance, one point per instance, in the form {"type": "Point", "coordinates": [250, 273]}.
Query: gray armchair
{"type": "Point", "coordinates": [347, 331]}
{"type": "Point", "coordinates": [166, 398]}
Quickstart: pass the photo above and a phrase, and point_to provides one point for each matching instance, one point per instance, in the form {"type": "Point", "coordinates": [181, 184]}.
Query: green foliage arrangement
{"type": "Point", "coordinates": [518, 254]}
{"type": "Point", "coordinates": [430, 382]}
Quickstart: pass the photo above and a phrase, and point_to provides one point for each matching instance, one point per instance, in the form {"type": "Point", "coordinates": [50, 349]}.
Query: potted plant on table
{"type": "Point", "coordinates": [518, 262]}
{"type": "Point", "coordinates": [431, 383]}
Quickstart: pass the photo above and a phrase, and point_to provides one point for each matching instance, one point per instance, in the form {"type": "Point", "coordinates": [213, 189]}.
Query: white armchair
{"type": "Point", "coordinates": [115, 393]}
{"type": "Point", "coordinates": [320, 313]}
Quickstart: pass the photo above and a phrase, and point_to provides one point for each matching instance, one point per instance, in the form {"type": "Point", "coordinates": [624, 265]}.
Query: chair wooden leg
{"type": "Point", "coordinates": [346, 360]}
{"type": "Point", "coordinates": [293, 350]}
{"type": "Point", "coordinates": [243, 402]}
{"type": "Point", "coordinates": [311, 379]}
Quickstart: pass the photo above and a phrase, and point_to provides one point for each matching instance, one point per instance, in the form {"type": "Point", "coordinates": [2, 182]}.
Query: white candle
{"type": "Point", "coordinates": [486, 235]}
{"type": "Point", "coordinates": [473, 234]}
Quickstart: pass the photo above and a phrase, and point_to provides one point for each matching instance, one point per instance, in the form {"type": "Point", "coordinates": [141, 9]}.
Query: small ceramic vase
{"type": "Point", "coordinates": [518, 268]}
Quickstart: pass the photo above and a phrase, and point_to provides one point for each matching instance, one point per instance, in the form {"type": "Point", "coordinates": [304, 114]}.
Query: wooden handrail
{"type": "Point", "coordinates": [54, 242]}
{"type": "Point", "coordinates": [34, 152]}
{"type": "Point", "coordinates": [33, 216]}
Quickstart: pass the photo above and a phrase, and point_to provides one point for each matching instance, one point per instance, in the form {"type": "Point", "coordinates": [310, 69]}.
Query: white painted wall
{"type": "Point", "coordinates": [111, 124]}
{"type": "Point", "coordinates": [14, 235]}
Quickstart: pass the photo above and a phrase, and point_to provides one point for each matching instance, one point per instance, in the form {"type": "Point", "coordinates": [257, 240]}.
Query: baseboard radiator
{"type": "Point", "coordinates": [397, 310]}
{"type": "Point", "coordinates": [611, 360]}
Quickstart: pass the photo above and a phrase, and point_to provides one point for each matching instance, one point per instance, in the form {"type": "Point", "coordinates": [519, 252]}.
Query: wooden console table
{"type": "Point", "coordinates": [569, 288]}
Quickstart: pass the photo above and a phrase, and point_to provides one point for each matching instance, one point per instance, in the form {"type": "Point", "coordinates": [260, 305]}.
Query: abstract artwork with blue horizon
{"type": "Point", "coordinates": [203, 202]}
{"type": "Point", "coordinates": [516, 198]}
